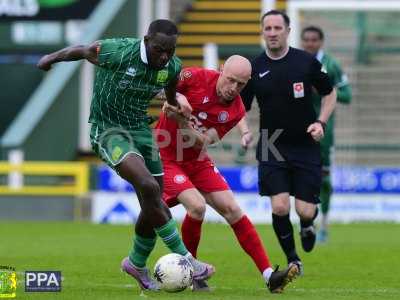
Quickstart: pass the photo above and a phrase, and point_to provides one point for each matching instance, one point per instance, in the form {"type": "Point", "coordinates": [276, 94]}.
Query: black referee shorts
{"type": "Point", "coordinates": [300, 173]}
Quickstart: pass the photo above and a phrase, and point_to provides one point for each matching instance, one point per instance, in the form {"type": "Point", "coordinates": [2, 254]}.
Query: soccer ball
{"type": "Point", "coordinates": [173, 272]}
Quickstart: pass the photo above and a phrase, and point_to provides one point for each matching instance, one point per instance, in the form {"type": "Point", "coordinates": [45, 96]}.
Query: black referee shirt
{"type": "Point", "coordinates": [283, 88]}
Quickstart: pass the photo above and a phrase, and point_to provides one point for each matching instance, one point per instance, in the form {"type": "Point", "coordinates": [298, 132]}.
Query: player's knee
{"type": "Point", "coordinates": [197, 210]}
{"type": "Point", "coordinates": [149, 189]}
{"type": "Point", "coordinates": [306, 213]}
{"type": "Point", "coordinates": [280, 208]}
{"type": "Point", "coordinates": [231, 213]}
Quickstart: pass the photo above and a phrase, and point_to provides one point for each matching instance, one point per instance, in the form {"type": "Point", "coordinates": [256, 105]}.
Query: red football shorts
{"type": "Point", "coordinates": [180, 176]}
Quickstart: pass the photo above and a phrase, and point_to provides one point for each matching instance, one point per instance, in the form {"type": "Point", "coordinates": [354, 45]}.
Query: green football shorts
{"type": "Point", "coordinates": [113, 144]}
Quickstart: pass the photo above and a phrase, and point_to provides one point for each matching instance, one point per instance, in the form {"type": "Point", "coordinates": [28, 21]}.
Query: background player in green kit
{"type": "Point", "coordinates": [129, 73]}
{"type": "Point", "coordinates": [312, 39]}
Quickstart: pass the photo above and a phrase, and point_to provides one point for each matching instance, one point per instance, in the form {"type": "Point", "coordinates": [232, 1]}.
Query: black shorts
{"type": "Point", "coordinates": [300, 173]}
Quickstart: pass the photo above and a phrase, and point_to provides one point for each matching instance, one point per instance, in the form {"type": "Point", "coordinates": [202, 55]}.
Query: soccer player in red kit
{"type": "Point", "coordinates": [190, 177]}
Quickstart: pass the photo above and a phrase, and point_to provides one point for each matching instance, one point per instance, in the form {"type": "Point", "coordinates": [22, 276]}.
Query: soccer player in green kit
{"type": "Point", "coordinates": [312, 40]}
{"type": "Point", "coordinates": [129, 73]}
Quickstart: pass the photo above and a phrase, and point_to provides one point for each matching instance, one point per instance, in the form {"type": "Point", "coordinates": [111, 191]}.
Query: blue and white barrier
{"type": "Point", "coordinates": [360, 194]}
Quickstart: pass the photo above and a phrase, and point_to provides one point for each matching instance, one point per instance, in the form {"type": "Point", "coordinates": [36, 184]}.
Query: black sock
{"type": "Point", "coordinates": [304, 223]}
{"type": "Point", "coordinates": [284, 232]}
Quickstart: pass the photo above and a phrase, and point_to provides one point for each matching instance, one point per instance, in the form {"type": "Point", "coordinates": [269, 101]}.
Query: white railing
{"type": "Point", "coordinates": [210, 53]}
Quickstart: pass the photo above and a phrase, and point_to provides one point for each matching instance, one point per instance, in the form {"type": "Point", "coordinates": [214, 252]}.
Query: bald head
{"type": "Point", "coordinates": [238, 66]}
{"type": "Point", "coordinates": [234, 75]}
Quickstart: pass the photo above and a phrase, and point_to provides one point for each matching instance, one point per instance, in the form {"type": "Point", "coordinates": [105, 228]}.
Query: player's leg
{"type": "Point", "coordinates": [326, 188]}
{"type": "Point", "coordinates": [151, 216]}
{"type": "Point", "coordinates": [134, 170]}
{"type": "Point", "coordinates": [209, 181]}
{"type": "Point", "coordinates": [307, 213]}
{"type": "Point", "coordinates": [283, 227]}
{"type": "Point", "coordinates": [168, 232]}
{"type": "Point", "coordinates": [144, 241]}
{"type": "Point", "coordinates": [195, 206]}
{"type": "Point", "coordinates": [113, 145]}
{"type": "Point", "coordinates": [155, 212]}
{"type": "Point", "coordinates": [306, 188]}
{"type": "Point", "coordinates": [274, 182]}
{"type": "Point", "coordinates": [224, 203]}
{"type": "Point", "coordinates": [180, 189]}
{"type": "Point", "coordinates": [325, 197]}
{"type": "Point", "coordinates": [133, 155]}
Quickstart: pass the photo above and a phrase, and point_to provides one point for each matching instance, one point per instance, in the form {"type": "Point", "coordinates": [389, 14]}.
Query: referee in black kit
{"type": "Point", "coordinates": [288, 150]}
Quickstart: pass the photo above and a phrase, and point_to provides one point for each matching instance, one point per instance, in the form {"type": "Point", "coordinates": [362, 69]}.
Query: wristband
{"type": "Point", "coordinates": [323, 124]}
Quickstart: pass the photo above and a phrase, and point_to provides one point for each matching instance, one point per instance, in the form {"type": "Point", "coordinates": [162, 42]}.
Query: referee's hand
{"type": "Point", "coordinates": [246, 140]}
{"type": "Point", "coordinates": [316, 130]}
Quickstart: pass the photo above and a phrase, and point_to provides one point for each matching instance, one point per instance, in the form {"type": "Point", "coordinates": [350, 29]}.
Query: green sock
{"type": "Point", "coordinates": [169, 234]}
{"type": "Point", "coordinates": [325, 196]}
{"type": "Point", "coordinates": [141, 250]}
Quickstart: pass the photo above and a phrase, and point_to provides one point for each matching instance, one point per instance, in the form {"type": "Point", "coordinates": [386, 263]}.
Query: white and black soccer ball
{"type": "Point", "coordinates": [173, 272]}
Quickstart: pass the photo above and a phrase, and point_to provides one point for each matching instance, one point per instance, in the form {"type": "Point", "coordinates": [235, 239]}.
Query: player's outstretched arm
{"type": "Point", "coordinates": [88, 52]}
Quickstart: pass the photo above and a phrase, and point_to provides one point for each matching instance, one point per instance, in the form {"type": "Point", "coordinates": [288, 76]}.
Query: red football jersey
{"type": "Point", "coordinates": [199, 87]}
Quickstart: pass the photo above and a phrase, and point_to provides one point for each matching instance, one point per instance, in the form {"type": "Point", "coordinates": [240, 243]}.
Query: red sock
{"type": "Point", "coordinates": [191, 232]}
{"type": "Point", "coordinates": [251, 243]}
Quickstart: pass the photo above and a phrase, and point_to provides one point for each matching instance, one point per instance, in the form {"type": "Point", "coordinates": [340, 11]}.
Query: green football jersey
{"type": "Point", "coordinates": [340, 81]}
{"type": "Point", "coordinates": [124, 83]}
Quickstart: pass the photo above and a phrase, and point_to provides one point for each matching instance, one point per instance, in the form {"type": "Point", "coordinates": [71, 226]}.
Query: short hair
{"type": "Point", "coordinates": [162, 26]}
{"type": "Point", "coordinates": [316, 29]}
{"type": "Point", "coordinates": [275, 12]}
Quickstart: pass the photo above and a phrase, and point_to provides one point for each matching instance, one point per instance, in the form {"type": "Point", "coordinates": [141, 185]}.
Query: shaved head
{"type": "Point", "coordinates": [234, 76]}
{"type": "Point", "coordinates": [239, 66]}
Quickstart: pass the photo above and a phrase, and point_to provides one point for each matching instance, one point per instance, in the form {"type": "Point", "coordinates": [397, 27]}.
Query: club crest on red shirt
{"type": "Point", "coordinates": [179, 179]}
{"type": "Point", "coordinates": [223, 116]}
{"type": "Point", "coordinates": [185, 74]}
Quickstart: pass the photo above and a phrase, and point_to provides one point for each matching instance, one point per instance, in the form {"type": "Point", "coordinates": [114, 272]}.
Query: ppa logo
{"type": "Point", "coordinates": [42, 281]}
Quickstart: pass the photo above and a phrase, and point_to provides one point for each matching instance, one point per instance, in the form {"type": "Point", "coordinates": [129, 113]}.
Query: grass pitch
{"type": "Point", "coordinates": [360, 261]}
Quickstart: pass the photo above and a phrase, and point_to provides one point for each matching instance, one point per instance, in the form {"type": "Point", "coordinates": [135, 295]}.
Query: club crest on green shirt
{"type": "Point", "coordinates": [117, 151]}
{"type": "Point", "coordinates": [162, 76]}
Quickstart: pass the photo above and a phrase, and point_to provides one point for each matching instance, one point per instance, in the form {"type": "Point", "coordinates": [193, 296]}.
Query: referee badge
{"type": "Point", "coordinates": [298, 90]}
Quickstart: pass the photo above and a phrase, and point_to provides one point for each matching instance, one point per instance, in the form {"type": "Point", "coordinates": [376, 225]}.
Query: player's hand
{"type": "Point", "coordinates": [173, 112]}
{"type": "Point", "coordinates": [184, 107]}
{"type": "Point", "coordinates": [316, 130]}
{"type": "Point", "coordinates": [246, 140]}
{"type": "Point", "coordinates": [44, 63]}
{"type": "Point", "coordinates": [168, 108]}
